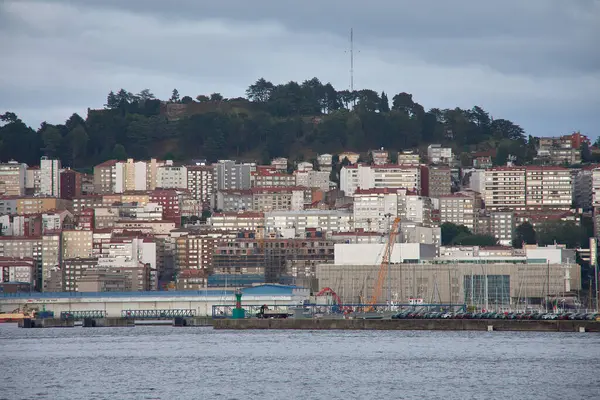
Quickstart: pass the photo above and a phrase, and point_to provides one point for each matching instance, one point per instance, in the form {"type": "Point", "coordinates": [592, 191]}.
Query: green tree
{"type": "Point", "coordinates": [563, 232]}
{"type": "Point", "coordinates": [525, 233]}
{"type": "Point", "coordinates": [586, 154]}
{"type": "Point", "coordinates": [119, 152]}
{"type": "Point", "coordinates": [52, 141]}
{"type": "Point", "coordinates": [216, 97]}
{"type": "Point", "coordinates": [112, 100]}
{"type": "Point", "coordinates": [145, 95]}
{"type": "Point", "coordinates": [202, 98]}
{"type": "Point", "coordinates": [451, 231]}
{"type": "Point", "coordinates": [384, 103]}
{"type": "Point", "coordinates": [174, 96]}
{"type": "Point", "coordinates": [468, 239]}
{"type": "Point", "coordinates": [260, 91]}
{"type": "Point", "coordinates": [186, 100]}
{"type": "Point", "coordinates": [77, 141]}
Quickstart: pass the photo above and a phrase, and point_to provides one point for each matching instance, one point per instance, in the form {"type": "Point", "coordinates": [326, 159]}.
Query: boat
{"type": "Point", "coordinates": [12, 317]}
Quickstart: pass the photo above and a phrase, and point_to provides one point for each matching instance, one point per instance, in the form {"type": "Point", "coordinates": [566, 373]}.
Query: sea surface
{"type": "Point", "coordinates": [199, 363]}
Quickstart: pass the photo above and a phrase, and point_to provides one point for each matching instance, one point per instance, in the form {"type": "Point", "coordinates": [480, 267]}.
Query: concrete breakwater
{"type": "Point", "coordinates": [415, 324]}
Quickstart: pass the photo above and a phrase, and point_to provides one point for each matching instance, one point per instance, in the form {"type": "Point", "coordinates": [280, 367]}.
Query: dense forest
{"type": "Point", "coordinates": [296, 120]}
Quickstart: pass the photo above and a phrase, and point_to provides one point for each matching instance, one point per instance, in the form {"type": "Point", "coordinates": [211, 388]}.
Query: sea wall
{"type": "Point", "coordinates": [409, 324]}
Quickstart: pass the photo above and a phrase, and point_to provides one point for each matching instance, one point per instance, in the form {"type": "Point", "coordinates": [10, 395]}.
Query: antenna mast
{"type": "Point", "coordinates": [351, 60]}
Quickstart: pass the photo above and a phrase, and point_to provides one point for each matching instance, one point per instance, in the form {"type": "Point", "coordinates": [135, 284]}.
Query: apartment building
{"type": "Point", "coordinates": [22, 270]}
{"type": "Point", "coordinates": [33, 180]}
{"type": "Point", "coordinates": [296, 223]}
{"type": "Point", "coordinates": [234, 200]}
{"type": "Point", "coordinates": [201, 182]}
{"type": "Point", "coordinates": [8, 205]}
{"type": "Point", "coordinates": [39, 205]}
{"type": "Point", "coordinates": [148, 212]}
{"type": "Point", "coordinates": [312, 179]}
{"type": "Point", "coordinates": [172, 177]}
{"type": "Point", "coordinates": [12, 178]}
{"type": "Point", "coordinates": [237, 221]}
{"type": "Point", "coordinates": [325, 161]}
{"type": "Point", "coordinates": [55, 221]}
{"type": "Point", "coordinates": [436, 181]}
{"type": "Point", "coordinates": [438, 154]}
{"type": "Point", "coordinates": [267, 178]}
{"type": "Point", "coordinates": [361, 176]}
{"type": "Point", "coordinates": [70, 184]}
{"type": "Point", "coordinates": [280, 163]}
{"type": "Point", "coordinates": [277, 199]}
{"type": "Point", "coordinates": [458, 209]}
{"type": "Point", "coordinates": [232, 176]}
{"type": "Point", "coordinates": [505, 188]}
{"type": "Point", "coordinates": [105, 176]}
{"type": "Point", "coordinates": [380, 157]}
{"type": "Point", "coordinates": [77, 244]}
{"type": "Point", "coordinates": [548, 188]}
{"type": "Point", "coordinates": [375, 209]}
{"type": "Point", "coordinates": [502, 226]}
{"type": "Point", "coordinates": [194, 251]}
{"type": "Point", "coordinates": [415, 208]}
{"type": "Point", "coordinates": [561, 150]}
{"type": "Point", "coordinates": [147, 227]}
{"type": "Point", "coordinates": [415, 232]}
{"type": "Point", "coordinates": [408, 157]}
{"type": "Point", "coordinates": [169, 201]}
{"type": "Point", "coordinates": [81, 203]}
{"type": "Point", "coordinates": [350, 155]}
{"type": "Point", "coordinates": [50, 177]}
{"type": "Point", "coordinates": [583, 188]}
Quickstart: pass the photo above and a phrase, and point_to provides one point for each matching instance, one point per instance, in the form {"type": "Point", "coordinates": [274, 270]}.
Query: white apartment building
{"type": "Point", "coordinates": [313, 179]}
{"type": "Point", "coordinates": [438, 154]}
{"type": "Point", "coordinates": [458, 209]}
{"type": "Point", "coordinates": [596, 187]}
{"type": "Point", "coordinates": [232, 176]}
{"type": "Point", "coordinates": [201, 184]}
{"type": "Point", "coordinates": [503, 226]}
{"type": "Point", "coordinates": [412, 207]}
{"type": "Point", "coordinates": [325, 161]}
{"type": "Point", "coordinates": [50, 177]}
{"type": "Point", "coordinates": [127, 252]}
{"type": "Point", "coordinates": [477, 181]}
{"type": "Point", "coordinates": [172, 177]}
{"type": "Point", "coordinates": [299, 221]}
{"type": "Point", "coordinates": [548, 187]}
{"type": "Point", "coordinates": [353, 177]}
{"type": "Point", "coordinates": [374, 209]}
{"type": "Point", "coordinates": [12, 178]}
{"type": "Point", "coordinates": [505, 188]}
{"type": "Point", "coordinates": [280, 163]}
{"type": "Point", "coordinates": [304, 166]}
{"type": "Point", "coordinates": [414, 232]}
{"type": "Point", "coordinates": [146, 212]}
{"type": "Point", "coordinates": [134, 175]}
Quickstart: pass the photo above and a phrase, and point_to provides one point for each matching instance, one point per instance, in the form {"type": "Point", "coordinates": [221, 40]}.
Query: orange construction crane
{"type": "Point", "coordinates": [385, 262]}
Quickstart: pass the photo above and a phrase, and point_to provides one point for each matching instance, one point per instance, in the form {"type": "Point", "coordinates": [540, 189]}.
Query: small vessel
{"type": "Point", "coordinates": [12, 317]}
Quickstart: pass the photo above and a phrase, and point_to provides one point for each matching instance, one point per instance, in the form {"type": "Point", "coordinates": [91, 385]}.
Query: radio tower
{"type": "Point", "coordinates": [351, 60]}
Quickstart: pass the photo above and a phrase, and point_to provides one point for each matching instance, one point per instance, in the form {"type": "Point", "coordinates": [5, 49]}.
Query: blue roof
{"type": "Point", "coordinates": [262, 290]}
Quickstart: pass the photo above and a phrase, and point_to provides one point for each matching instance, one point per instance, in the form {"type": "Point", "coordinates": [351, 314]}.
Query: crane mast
{"type": "Point", "coordinates": [385, 264]}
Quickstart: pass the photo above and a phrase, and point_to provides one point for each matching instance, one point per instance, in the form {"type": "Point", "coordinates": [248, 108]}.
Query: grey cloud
{"type": "Point", "coordinates": [536, 61]}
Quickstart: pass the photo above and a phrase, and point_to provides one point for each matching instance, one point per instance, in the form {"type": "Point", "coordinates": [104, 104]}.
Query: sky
{"type": "Point", "coordinates": [534, 62]}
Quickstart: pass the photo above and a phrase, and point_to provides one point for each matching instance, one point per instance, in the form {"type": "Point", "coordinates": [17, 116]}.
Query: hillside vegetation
{"type": "Point", "coordinates": [296, 120]}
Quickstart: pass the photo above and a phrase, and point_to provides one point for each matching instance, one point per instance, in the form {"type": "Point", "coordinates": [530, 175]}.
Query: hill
{"type": "Point", "coordinates": [296, 120]}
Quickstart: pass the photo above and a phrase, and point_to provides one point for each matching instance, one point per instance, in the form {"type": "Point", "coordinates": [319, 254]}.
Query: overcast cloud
{"type": "Point", "coordinates": [535, 62]}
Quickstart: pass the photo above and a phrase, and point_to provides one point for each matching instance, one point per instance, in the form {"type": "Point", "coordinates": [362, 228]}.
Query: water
{"type": "Point", "coordinates": [200, 363]}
